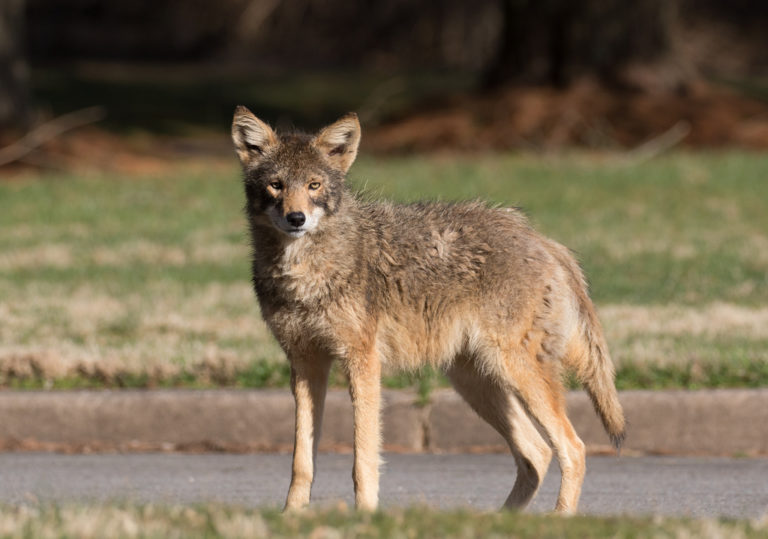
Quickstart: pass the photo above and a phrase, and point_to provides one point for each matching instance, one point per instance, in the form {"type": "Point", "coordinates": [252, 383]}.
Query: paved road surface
{"type": "Point", "coordinates": [636, 485]}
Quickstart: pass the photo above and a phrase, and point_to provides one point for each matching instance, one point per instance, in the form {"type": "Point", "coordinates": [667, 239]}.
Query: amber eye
{"type": "Point", "coordinates": [313, 186]}
{"type": "Point", "coordinates": [276, 185]}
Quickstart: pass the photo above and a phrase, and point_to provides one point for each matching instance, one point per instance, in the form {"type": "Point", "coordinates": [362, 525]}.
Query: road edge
{"type": "Point", "coordinates": [706, 422]}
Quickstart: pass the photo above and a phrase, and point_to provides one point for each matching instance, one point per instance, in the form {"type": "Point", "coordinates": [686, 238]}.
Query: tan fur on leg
{"type": "Point", "coordinates": [365, 391]}
{"type": "Point", "coordinates": [309, 380]}
{"type": "Point", "coordinates": [540, 394]}
{"type": "Point", "coordinates": [532, 455]}
{"type": "Point", "coordinates": [499, 406]}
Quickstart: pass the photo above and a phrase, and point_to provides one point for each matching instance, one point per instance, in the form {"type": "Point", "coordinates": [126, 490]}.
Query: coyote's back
{"type": "Point", "coordinates": [468, 288]}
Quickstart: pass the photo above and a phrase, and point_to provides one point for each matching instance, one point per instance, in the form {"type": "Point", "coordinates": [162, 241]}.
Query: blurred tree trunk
{"type": "Point", "coordinates": [14, 93]}
{"type": "Point", "coordinates": [553, 42]}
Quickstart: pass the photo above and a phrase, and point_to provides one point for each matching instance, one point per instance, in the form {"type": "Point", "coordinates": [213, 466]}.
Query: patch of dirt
{"type": "Point", "coordinates": [534, 118]}
{"type": "Point", "coordinates": [93, 149]}
{"type": "Point", "coordinates": [585, 115]}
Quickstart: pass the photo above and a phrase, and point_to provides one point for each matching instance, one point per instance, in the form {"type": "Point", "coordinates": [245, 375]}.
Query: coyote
{"type": "Point", "coordinates": [464, 287]}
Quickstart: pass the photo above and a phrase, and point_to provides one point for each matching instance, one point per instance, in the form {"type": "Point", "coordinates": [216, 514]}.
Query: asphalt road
{"type": "Point", "coordinates": [626, 485]}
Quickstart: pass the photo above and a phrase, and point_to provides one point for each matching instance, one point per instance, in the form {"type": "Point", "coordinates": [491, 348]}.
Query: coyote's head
{"type": "Point", "coordinates": [294, 180]}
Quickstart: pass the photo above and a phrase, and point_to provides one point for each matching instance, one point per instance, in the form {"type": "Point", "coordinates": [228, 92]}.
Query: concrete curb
{"type": "Point", "coordinates": [710, 422]}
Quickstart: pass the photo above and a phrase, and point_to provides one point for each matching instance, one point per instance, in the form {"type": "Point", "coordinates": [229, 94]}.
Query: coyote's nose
{"type": "Point", "coordinates": [295, 218]}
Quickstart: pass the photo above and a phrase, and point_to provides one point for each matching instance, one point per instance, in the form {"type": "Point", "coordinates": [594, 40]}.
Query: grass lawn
{"type": "Point", "coordinates": [144, 281]}
{"type": "Point", "coordinates": [224, 521]}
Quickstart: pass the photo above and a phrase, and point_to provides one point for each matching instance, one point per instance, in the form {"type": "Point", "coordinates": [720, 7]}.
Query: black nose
{"type": "Point", "coordinates": [295, 218]}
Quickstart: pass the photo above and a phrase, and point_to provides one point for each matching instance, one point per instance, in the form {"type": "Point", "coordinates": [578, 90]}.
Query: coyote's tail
{"type": "Point", "coordinates": [595, 370]}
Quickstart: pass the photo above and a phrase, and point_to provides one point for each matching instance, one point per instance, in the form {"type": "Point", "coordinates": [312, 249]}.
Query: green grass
{"type": "Point", "coordinates": [144, 281]}
{"type": "Point", "coordinates": [91, 521]}
{"type": "Point", "coordinates": [731, 373]}
{"type": "Point", "coordinates": [736, 373]}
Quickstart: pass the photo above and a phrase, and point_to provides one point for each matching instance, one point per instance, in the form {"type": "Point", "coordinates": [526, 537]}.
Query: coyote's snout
{"type": "Point", "coordinates": [464, 287]}
{"type": "Point", "coordinates": [295, 211]}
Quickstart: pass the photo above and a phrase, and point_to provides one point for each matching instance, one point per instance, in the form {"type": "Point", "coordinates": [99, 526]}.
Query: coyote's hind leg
{"type": "Point", "coordinates": [541, 394]}
{"type": "Point", "coordinates": [498, 405]}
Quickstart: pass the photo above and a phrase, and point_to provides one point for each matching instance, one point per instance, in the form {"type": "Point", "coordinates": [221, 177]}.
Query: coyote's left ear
{"type": "Point", "coordinates": [252, 137]}
{"type": "Point", "coordinates": [339, 141]}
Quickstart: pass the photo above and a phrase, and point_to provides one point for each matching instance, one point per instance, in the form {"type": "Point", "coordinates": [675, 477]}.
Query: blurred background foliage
{"type": "Point", "coordinates": [172, 66]}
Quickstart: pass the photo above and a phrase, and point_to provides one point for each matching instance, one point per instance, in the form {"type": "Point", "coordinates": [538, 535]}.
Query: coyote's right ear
{"type": "Point", "coordinates": [252, 137]}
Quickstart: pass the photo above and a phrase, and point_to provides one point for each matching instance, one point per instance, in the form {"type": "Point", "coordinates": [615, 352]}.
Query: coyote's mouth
{"type": "Point", "coordinates": [295, 232]}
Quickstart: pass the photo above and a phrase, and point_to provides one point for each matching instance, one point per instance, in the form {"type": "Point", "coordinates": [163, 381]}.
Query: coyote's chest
{"type": "Point", "coordinates": [303, 276]}
{"type": "Point", "coordinates": [309, 300]}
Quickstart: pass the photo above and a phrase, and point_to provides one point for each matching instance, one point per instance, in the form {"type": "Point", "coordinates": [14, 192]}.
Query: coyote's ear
{"type": "Point", "coordinates": [339, 141]}
{"type": "Point", "coordinates": [252, 137]}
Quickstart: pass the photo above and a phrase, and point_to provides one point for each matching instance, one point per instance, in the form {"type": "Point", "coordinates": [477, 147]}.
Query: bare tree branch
{"type": "Point", "coordinates": [660, 144]}
{"type": "Point", "coordinates": [49, 131]}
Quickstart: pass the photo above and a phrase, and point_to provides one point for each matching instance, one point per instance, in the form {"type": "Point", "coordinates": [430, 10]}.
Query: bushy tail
{"type": "Point", "coordinates": [588, 354]}
{"type": "Point", "coordinates": [595, 370]}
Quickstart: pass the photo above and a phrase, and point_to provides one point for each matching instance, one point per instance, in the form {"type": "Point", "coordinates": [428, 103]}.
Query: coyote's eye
{"type": "Point", "coordinates": [276, 185]}
{"type": "Point", "coordinates": [313, 186]}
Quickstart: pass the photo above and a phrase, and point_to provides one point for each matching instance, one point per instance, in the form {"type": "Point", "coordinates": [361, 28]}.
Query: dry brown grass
{"type": "Point", "coordinates": [61, 256]}
{"type": "Point", "coordinates": [716, 319]}
{"type": "Point", "coordinates": [675, 335]}
{"type": "Point", "coordinates": [114, 521]}
{"type": "Point", "coordinates": [48, 333]}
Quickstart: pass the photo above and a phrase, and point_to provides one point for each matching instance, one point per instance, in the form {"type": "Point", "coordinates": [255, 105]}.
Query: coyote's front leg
{"type": "Point", "coordinates": [365, 391]}
{"type": "Point", "coordinates": [309, 381]}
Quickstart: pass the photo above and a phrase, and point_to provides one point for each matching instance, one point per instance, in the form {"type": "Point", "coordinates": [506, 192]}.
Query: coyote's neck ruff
{"type": "Point", "coordinates": [467, 288]}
